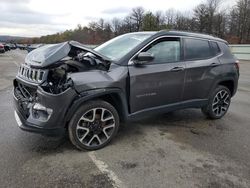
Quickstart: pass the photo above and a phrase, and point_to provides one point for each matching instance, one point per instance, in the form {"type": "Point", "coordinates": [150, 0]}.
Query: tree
{"type": "Point", "coordinates": [149, 22]}
{"type": "Point", "coordinates": [137, 17]}
{"type": "Point", "coordinates": [212, 8]}
{"type": "Point", "coordinates": [207, 17]}
{"type": "Point", "coordinates": [170, 18]}
{"type": "Point", "coordinates": [201, 17]}
{"type": "Point", "coordinates": [160, 20]}
{"type": "Point", "coordinates": [240, 21]}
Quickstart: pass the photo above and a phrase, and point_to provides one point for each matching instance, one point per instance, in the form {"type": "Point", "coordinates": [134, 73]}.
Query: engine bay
{"type": "Point", "coordinates": [50, 66]}
{"type": "Point", "coordinates": [58, 79]}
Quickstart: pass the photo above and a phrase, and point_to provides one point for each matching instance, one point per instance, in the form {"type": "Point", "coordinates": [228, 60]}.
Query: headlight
{"type": "Point", "coordinates": [41, 112]}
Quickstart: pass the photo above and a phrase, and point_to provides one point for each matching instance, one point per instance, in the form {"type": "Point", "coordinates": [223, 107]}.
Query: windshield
{"type": "Point", "coordinates": [117, 47]}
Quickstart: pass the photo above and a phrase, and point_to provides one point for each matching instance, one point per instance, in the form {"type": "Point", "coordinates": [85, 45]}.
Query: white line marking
{"type": "Point", "coordinates": [11, 58]}
{"type": "Point", "coordinates": [103, 167]}
{"type": "Point", "coordinates": [16, 63]}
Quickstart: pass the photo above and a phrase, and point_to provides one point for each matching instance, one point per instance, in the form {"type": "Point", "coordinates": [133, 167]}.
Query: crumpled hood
{"type": "Point", "coordinates": [49, 54]}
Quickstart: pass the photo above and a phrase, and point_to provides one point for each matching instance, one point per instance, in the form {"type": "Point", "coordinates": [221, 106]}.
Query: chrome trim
{"type": "Point", "coordinates": [31, 74]}
{"type": "Point", "coordinates": [19, 123]}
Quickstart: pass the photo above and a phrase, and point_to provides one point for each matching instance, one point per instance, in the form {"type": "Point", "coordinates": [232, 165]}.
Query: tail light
{"type": "Point", "coordinates": [237, 65]}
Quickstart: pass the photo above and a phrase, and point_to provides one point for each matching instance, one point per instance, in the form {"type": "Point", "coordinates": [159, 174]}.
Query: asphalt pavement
{"type": "Point", "coordinates": [178, 149]}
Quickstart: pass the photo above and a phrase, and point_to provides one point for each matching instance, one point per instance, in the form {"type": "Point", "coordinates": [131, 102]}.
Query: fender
{"type": "Point", "coordinates": [93, 94]}
{"type": "Point", "coordinates": [228, 78]}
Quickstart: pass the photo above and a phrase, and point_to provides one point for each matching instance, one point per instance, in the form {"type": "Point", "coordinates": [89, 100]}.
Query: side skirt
{"type": "Point", "coordinates": [197, 103]}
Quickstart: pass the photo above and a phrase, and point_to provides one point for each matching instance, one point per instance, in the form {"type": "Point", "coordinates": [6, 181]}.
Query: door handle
{"type": "Point", "coordinates": [214, 64]}
{"type": "Point", "coordinates": [176, 69]}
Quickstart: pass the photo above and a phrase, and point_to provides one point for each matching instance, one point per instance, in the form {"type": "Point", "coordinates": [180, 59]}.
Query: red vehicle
{"type": "Point", "coordinates": [2, 48]}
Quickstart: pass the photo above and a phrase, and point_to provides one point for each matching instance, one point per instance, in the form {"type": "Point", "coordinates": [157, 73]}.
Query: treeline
{"type": "Point", "coordinates": [208, 17]}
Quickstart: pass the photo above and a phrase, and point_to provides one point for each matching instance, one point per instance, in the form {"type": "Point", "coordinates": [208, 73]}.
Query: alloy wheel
{"type": "Point", "coordinates": [221, 103]}
{"type": "Point", "coordinates": [95, 127]}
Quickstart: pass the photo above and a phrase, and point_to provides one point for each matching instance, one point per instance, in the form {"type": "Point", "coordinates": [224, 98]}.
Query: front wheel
{"type": "Point", "coordinates": [218, 103]}
{"type": "Point", "coordinates": [94, 125]}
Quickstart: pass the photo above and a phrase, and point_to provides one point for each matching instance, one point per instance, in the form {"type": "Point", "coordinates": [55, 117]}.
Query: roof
{"type": "Point", "coordinates": [189, 34]}
{"type": "Point", "coordinates": [180, 33]}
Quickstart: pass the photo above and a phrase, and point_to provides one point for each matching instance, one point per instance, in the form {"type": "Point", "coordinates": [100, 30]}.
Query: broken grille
{"type": "Point", "coordinates": [35, 75]}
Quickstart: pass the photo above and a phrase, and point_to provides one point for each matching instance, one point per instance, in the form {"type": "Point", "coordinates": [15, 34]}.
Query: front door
{"type": "Point", "coordinates": [161, 81]}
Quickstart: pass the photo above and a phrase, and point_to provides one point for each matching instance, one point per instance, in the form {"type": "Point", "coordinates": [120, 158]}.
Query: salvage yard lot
{"type": "Point", "coordinates": [179, 149]}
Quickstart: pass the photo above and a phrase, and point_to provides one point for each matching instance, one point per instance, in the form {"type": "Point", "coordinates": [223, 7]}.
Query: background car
{"type": "Point", "coordinates": [2, 48]}
{"type": "Point", "coordinates": [31, 47]}
{"type": "Point", "coordinates": [6, 47]}
{"type": "Point", "coordinates": [12, 46]}
{"type": "Point", "coordinates": [21, 46]}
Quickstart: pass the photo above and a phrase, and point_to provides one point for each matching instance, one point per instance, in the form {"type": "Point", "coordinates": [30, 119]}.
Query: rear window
{"type": "Point", "coordinates": [196, 49]}
{"type": "Point", "coordinates": [215, 50]}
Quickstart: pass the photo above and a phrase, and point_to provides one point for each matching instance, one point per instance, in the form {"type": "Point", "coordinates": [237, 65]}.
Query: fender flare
{"type": "Point", "coordinates": [93, 94]}
{"type": "Point", "coordinates": [229, 78]}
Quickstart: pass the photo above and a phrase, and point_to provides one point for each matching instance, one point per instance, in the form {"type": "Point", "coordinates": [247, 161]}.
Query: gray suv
{"type": "Point", "coordinates": [68, 87]}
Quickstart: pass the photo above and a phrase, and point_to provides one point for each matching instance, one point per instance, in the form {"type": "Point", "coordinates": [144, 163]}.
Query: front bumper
{"type": "Point", "coordinates": [29, 119]}
{"type": "Point", "coordinates": [26, 126]}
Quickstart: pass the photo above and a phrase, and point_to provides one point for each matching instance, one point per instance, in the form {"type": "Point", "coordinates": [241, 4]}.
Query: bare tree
{"type": "Point", "coordinates": [240, 21]}
{"type": "Point", "coordinates": [160, 19]}
{"type": "Point", "coordinates": [137, 17]}
{"type": "Point", "coordinates": [116, 25]}
{"type": "Point", "coordinates": [170, 18]}
{"type": "Point", "coordinates": [207, 17]}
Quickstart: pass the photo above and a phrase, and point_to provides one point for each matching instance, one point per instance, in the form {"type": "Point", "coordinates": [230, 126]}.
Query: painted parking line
{"type": "Point", "coordinates": [103, 167]}
{"type": "Point", "coordinates": [12, 59]}
{"type": "Point", "coordinates": [15, 63]}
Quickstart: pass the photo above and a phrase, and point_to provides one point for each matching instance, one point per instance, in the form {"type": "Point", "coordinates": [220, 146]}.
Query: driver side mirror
{"type": "Point", "coordinates": [143, 57]}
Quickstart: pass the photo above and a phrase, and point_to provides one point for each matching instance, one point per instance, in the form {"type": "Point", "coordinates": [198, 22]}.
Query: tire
{"type": "Point", "coordinates": [94, 125]}
{"type": "Point", "coordinates": [218, 103]}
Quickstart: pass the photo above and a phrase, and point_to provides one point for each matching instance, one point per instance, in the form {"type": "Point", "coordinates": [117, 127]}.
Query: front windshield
{"type": "Point", "coordinates": [117, 47]}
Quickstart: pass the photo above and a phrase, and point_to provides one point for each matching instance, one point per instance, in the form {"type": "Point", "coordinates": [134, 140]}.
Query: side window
{"type": "Point", "coordinates": [215, 50]}
{"type": "Point", "coordinates": [165, 51]}
{"type": "Point", "coordinates": [196, 49]}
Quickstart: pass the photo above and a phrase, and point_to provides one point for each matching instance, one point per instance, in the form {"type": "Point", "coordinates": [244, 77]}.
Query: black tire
{"type": "Point", "coordinates": [93, 127]}
{"type": "Point", "coordinates": [215, 110]}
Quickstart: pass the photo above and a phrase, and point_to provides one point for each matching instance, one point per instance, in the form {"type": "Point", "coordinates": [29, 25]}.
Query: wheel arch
{"type": "Point", "coordinates": [113, 96]}
{"type": "Point", "coordinates": [228, 82]}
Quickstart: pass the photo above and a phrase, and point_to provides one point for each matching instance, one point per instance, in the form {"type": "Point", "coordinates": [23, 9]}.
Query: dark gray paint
{"type": "Point", "coordinates": [148, 88]}
{"type": "Point", "coordinates": [50, 54]}
{"type": "Point", "coordinates": [155, 85]}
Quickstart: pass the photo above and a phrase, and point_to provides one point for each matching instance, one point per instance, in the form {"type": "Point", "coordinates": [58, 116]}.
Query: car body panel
{"type": "Point", "coordinates": [200, 75]}
{"type": "Point", "coordinates": [49, 54]}
{"type": "Point", "coordinates": [96, 79]}
{"type": "Point", "coordinates": [155, 85]}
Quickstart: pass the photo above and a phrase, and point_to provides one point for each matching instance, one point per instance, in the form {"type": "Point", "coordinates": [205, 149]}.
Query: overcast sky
{"type": "Point", "coordinates": [41, 17]}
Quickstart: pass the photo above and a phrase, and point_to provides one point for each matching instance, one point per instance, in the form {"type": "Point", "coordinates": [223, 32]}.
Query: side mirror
{"type": "Point", "coordinates": [144, 57]}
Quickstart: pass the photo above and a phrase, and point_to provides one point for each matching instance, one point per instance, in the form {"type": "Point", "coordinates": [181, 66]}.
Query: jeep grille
{"type": "Point", "coordinates": [31, 74]}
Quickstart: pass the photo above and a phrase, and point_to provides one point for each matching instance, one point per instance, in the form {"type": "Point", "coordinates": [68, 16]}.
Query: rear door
{"type": "Point", "coordinates": [161, 81]}
{"type": "Point", "coordinates": [201, 64]}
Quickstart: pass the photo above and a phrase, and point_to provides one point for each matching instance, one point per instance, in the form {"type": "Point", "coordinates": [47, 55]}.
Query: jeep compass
{"type": "Point", "coordinates": [69, 88]}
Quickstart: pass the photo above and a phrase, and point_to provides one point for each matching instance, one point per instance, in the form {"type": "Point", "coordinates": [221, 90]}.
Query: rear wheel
{"type": "Point", "coordinates": [94, 125]}
{"type": "Point", "coordinates": [218, 103]}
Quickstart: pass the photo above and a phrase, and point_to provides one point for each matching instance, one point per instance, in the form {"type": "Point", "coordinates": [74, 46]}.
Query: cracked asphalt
{"type": "Point", "coordinates": [178, 149]}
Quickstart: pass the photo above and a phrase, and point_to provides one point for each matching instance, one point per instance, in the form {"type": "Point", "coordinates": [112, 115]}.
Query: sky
{"type": "Point", "coordinates": [34, 18]}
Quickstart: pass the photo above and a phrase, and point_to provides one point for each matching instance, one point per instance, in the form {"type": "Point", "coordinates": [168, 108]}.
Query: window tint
{"type": "Point", "coordinates": [166, 51]}
{"type": "Point", "coordinates": [215, 50]}
{"type": "Point", "coordinates": [196, 49]}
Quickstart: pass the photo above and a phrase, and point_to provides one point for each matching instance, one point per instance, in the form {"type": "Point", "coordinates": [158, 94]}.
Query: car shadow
{"type": "Point", "coordinates": [178, 123]}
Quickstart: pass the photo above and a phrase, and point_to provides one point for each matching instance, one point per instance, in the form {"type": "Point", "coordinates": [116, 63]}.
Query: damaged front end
{"type": "Point", "coordinates": [43, 88]}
